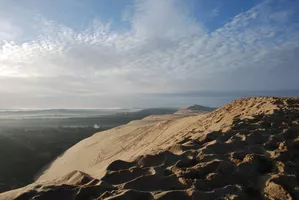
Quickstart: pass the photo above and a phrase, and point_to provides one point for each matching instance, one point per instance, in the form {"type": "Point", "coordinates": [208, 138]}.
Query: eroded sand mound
{"type": "Point", "coordinates": [194, 110]}
{"type": "Point", "coordinates": [248, 149]}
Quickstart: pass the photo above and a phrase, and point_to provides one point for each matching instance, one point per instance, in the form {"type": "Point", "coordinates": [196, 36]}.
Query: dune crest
{"type": "Point", "coordinates": [194, 110]}
{"type": "Point", "coordinates": [247, 149]}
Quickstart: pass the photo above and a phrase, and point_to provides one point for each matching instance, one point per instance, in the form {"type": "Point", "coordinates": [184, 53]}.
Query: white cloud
{"type": "Point", "coordinates": [163, 19]}
{"type": "Point", "coordinates": [215, 11]}
{"type": "Point", "coordinates": [164, 51]}
{"type": "Point", "coordinates": [8, 31]}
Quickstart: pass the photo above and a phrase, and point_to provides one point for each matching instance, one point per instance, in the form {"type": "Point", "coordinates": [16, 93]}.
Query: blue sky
{"type": "Point", "coordinates": [78, 14]}
{"type": "Point", "coordinates": [116, 53]}
{"type": "Point", "coordinates": [214, 14]}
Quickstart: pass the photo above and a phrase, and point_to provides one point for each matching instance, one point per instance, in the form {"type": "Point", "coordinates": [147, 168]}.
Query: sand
{"type": "Point", "coordinates": [247, 149]}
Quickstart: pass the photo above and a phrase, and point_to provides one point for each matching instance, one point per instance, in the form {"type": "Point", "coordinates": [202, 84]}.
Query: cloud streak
{"type": "Point", "coordinates": [165, 50]}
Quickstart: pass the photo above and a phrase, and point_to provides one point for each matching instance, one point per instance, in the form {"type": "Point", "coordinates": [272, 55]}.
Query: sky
{"type": "Point", "coordinates": [145, 53]}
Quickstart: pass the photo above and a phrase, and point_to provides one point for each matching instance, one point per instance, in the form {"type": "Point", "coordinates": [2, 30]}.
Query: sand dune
{"type": "Point", "coordinates": [247, 149]}
{"type": "Point", "coordinates": [194, 110]}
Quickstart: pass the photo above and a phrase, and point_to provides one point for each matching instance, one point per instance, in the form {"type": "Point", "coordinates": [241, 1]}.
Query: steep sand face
{"type": "Point", "coordinates": [93, 154]}
{"type": "Point", "coordinates": [248, 149]}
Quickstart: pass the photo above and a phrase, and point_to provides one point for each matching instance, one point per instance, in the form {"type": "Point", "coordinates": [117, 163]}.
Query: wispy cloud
{"type": "Point", "coordinates": [215, 11]}
{"type": "Point", "coordinates": [164, 51]}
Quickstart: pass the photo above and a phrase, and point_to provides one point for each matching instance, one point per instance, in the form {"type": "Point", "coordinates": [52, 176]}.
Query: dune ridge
{"type": "Point", "coordinates": [247, 149]}
{"type": "Point", "coordinates": [194, 110]}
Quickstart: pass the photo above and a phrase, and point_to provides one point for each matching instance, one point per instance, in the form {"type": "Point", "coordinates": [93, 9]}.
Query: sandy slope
{"type": "Point", "coordinates": [194, 110]}
{"type": "Point", "coordinates": [93, 154]}
{"type": "Point", "coordinates": [247, 149]}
